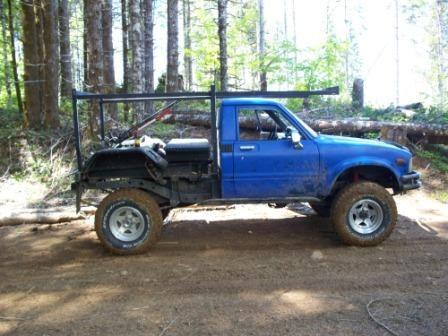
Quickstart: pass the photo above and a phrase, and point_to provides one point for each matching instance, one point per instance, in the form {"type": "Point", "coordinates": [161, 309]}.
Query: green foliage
{"type": "Point", "coordinates": [437, 158]}
{"type": "Point", "coordinates": [242, 45]}
{"type": "Point", "coordinates": [432, 16]}
{"type": "Point", "coordinates": [161, 130]}
{"type": "Point", "coordinates": [324, 66]}
{"type": "Point", "coordinates": [205, 46]}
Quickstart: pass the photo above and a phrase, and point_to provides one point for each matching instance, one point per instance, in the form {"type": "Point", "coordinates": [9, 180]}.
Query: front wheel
{"type": "Point", "coordinates": [364, 214]}
{"type": "Point", "coordinates": [128, 221]}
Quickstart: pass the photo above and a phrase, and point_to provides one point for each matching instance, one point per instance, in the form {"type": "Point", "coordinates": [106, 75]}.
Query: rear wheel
{"type": "Point", "coordinates": [128, 221]}
{"type": "Point", "coordinates": [364, 214]}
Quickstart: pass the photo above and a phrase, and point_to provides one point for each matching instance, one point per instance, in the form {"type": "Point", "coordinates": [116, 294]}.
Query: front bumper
{"type": "Point", "coordinates": [411, 181]}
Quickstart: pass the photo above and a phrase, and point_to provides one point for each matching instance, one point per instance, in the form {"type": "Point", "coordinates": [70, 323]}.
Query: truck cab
{"type": "Point", "coordinates": [260, 153]}
{"type": "Point", "coordinates": [267, 151]}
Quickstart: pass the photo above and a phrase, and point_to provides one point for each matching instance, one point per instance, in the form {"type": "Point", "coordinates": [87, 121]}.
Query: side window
{"type": "Point", "coordinates": [261, 124]}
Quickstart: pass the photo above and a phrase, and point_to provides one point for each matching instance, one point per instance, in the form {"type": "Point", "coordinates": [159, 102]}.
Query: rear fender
{"type": "Point", "coordinates": [123, 162]}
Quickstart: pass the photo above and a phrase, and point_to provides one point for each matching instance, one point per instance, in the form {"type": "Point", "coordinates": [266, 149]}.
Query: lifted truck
{"type": "Point", "coordinates": [280, 160]}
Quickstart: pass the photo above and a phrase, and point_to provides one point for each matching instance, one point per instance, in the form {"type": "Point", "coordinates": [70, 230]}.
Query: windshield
{"type": "Point", "coordinates": [303, 124]}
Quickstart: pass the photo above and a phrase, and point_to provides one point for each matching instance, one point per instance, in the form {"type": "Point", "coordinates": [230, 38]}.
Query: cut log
{"type": "Point", "coordinates": [395, 134]}
{"type": "Point", "coordinates": [433, 131]}
{"type": "Point", "coordinates": [43, 216]}
{"type": "Point", "coordinates": [337, 126]}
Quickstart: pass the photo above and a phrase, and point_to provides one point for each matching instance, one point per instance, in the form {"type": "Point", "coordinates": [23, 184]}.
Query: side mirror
{"type": "Point", "coordinates": [296, 140]}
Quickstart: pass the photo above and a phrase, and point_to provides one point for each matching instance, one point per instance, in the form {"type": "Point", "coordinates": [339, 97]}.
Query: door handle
{"type": "Point", "coordinates": [247, 148]}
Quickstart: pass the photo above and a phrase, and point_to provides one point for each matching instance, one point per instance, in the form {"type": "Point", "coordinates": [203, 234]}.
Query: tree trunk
{"type": "Point", "coordinates": [124, 27]}
{"type": "Point", "coordinates": [188, 63]}
{"type": "Point", "coordinates": [441, 9]}
{"type": "Point", "coordinates": [94, 59]}
{"type": "Point", "coordinates": [358, 94]}
{"type": "Point", "coordinates": [65, 49]}
{"type": "Point", "coordinates": [261, 46]}
{"type": "Point", "coordinates": [294, 36]}
{"type": "Point", "coordinates": [149, 50]}
{"type": "Point", "coordinates": [172, 73]}
{"type": "Point", "coordinates": [85, 47]}
{"type": "Point", "coordinates": [347, 50]}
{"type": "Point", "coordinates": [285, 19]}
{"type": "Point", "coordinates": [51, 68]}
{"type": "Point", "coordinates": [136, 51]}
{"type": "Point", "coordinates": [397, 52]}
{"type": "Point", "coordinates": [6, 69]}
{"type": "Point", "coordinates": [222, 33]}
{"type": "Point", "coordinates": [32, 74]}
{"type": "Point", "coordinates": [108, 57]}
{"type": "Point", "coordinates": [14, 59]}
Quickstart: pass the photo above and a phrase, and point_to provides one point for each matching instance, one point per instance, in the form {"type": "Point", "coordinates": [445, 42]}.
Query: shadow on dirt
{"type": "Point", "coordinates": [260, 276]}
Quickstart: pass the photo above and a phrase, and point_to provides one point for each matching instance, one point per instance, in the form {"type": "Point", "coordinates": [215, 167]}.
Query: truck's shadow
{"type": "Point", "coordinates": [62, 279]}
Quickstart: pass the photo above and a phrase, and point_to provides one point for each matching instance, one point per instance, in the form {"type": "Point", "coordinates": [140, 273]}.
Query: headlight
{"type": "Point", "coordinates": [410, 168]}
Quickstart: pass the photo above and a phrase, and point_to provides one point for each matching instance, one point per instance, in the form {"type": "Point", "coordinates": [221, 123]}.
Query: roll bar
{"type": "Point", "coordinates": [211, 95]}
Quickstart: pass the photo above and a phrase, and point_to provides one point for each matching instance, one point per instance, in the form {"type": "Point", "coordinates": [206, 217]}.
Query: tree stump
{"type": "Point", "coordinates": [358, 94]}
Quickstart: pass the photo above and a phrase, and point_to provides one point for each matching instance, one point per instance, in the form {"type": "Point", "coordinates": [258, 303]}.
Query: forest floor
{"type": "Point", "coordinates": [248, 270]}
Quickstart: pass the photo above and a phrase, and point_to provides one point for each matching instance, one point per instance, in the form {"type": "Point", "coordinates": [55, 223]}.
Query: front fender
{"type": "Point", "coordinates": [332, 173]}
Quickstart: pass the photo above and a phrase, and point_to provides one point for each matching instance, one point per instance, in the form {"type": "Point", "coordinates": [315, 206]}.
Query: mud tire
{"type": "Point", "coordinates": [347, 198]}
{"type": "Point", "coordinates": [141, 202]}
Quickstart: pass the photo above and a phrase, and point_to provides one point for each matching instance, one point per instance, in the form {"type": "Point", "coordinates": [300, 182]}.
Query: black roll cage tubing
{"type": "Point", "coordinates": [211, 95]}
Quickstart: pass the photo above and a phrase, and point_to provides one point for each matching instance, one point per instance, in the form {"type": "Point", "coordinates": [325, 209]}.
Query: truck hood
{"type": "Point", "coordinates": [342, 140]}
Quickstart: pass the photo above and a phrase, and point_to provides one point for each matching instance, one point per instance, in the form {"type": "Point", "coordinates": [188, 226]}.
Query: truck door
{"type": "Point", "coordinates": [266, 163]}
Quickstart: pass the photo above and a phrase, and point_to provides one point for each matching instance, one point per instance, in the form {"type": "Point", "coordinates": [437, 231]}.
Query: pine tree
{"type": "Point", "coordinates": [6, 68]}
{"type": "Point", "coordinates": [125, 45]}
{"type": "Point", "coordinates": [65, 50]}
{"type": "Point", "coordinates": [32, 64]}
{"type": "Point", "coordinates": [222, 33]}
{"type": "Point", "coordinates": [261, 47]}
{"type": "Point", "coordinates": [149, 45]}
{"type": "Point", "coordinates": [94, 41]}
{"type": "Point", "coordinates": [188, 62]}
{"type": "Point", "coordinates": [14, 59]}
{"type": "Point", "coordinates": [108, 56]}
{"type": "Point", "coordinates": [136, 53]}
{"type": "Point", "coordinates": [51, 60]}
{"type": "Point", "coordinates": [172, 73]}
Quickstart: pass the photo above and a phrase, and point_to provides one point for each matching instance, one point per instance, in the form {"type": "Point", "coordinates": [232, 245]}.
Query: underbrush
{"type": "Point", "coordinates": [40, 158]}
{"type": "Point", "coordinates": [433, 162]}
{"type": "Point", "coordinates": [437, 157]}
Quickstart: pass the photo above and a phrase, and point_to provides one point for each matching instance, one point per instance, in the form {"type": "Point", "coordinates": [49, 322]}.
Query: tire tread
{"type": "Point", "coordinates": [146, 202]}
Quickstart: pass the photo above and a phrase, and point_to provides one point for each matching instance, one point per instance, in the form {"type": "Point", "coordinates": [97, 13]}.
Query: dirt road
{"type": "Point", "coordinates": [250, 270]}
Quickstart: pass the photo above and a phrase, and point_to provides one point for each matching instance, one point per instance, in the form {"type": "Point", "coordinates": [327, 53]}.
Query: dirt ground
{"type": "Point", "coordinates": [249, 270]}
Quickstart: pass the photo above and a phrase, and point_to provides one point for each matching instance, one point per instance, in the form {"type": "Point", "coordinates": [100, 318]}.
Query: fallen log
{"type": "Point", "coordinates": [337, 126]}
{"type": "Point", "coordinates": [43, 216]}
{"type": "Point", "coordinates": [432, 131]}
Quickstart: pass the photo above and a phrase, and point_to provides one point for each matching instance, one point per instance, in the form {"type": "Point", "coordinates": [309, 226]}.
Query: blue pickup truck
{"type": "Point", "coordinates": [260, 152]}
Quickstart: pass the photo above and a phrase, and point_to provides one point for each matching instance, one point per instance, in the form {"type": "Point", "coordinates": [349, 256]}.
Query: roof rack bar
{"type": "Point", "coordinates": [128, 97]}
{"type": "Point", "coordinates": [145, 99]}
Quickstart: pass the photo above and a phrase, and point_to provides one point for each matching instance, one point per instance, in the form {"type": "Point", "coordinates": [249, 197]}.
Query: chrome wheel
{"type": "Point", "coordinates": [365, 216]}
{"type": "Point", "coordinates": [126, 223]}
